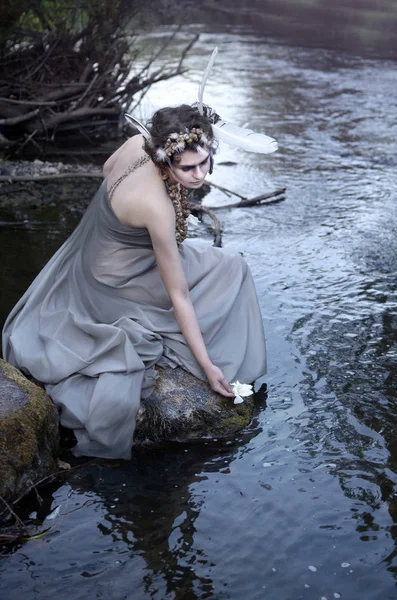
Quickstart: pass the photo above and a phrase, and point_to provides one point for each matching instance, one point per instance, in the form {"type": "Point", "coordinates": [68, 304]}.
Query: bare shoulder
{"type": "Point", "coordinates": [140, 199]}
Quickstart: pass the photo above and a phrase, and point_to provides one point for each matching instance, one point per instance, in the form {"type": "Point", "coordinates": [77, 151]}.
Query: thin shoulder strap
{"type": "Point", "coordinates": [138, 163]}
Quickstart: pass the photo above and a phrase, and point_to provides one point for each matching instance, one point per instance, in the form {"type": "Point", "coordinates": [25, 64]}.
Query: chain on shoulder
{"type": "Point", "coordinates": [135, 165]}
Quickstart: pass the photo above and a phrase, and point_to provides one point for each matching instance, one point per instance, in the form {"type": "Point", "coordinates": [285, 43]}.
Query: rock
{"type": "Point", "coordinates": [185, 408]}
{"type": "Point", "coordinates": [29, 433]}
{"type": "Point", "coordinates": [181, 408]}
{"type": "Point", "coordinates": [49, 170]}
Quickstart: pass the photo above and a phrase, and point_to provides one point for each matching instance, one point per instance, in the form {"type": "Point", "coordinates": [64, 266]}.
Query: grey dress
{"type": "Point", "coordinates": [97, 318]}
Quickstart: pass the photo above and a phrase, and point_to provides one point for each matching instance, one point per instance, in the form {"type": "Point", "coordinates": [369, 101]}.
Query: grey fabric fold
{"type": "Point", "coordinates": [96, 320]}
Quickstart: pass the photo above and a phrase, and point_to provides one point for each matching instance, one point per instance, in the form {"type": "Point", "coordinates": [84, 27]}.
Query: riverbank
{"type": "Point", "coordinates": [40, 184]}
{"type": "Point", "coordinates": [39, 168]}
{"type": "Point", "coordinates": [37, 184]}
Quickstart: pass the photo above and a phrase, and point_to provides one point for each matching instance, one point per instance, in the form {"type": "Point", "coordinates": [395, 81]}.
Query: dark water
{"type": "Point", "coordinates": [303, 504]}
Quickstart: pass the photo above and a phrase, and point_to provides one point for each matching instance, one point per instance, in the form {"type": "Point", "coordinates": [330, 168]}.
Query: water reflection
{"type": "Point", "coordinates": [139, 515]}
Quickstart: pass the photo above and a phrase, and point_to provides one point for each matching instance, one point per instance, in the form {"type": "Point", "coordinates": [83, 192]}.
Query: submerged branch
{"type": "Point", "coordinates": [215, 224]}
{"type": "Point", "coordinates": [14, 514]}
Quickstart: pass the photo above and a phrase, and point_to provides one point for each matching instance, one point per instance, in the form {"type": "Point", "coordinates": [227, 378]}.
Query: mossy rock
{"type": "Point", "coordinates": [29, 433]}
{"type": "Point", "coordinates": [184, 408]}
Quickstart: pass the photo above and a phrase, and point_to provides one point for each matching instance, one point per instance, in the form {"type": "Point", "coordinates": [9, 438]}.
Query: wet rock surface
{"type": "Point", "coordinates": [181, 408]}
{"type": "Point", "coordinates": [184, 408]}
{"type": "Point", "coordinates": [29, 433]}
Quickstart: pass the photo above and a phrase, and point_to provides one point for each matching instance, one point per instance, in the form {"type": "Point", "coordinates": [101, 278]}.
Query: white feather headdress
{"type": "Point", "coordinates": [138, 125]}
{"type": "Point", "coordinates": [232, 134]}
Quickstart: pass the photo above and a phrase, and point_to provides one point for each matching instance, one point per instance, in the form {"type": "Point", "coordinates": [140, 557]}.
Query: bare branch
{"type": "Point", "coordinates": [20, 118]}
{"type": "Point", "coordinates": [76, 72]}
{"type": "Point", "coordinates": [269, 198]}
{"type": "Point", "coordinates": [215, 224]}
{"type": "Point", "coordinates": [225, 190]}
{"type": "Point", "coordinates": [27, 102]}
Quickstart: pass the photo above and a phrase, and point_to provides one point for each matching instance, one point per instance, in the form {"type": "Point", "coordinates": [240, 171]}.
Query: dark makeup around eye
{"type": "Point", "coordinates": [187, 168]}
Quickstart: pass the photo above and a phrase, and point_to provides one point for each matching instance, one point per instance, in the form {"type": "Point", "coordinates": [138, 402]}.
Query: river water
{"type": "Point", "coordinates": [303, 504]}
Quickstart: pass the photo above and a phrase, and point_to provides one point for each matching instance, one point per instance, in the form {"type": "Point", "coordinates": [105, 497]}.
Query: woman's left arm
{"type": "Point", "coordinates": [161, 226]}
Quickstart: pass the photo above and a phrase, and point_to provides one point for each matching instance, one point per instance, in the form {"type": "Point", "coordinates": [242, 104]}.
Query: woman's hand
{"type": "Point", "coordinates": [217, 381]}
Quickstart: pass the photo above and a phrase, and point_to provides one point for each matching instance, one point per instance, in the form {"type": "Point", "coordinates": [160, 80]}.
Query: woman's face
{"type": "Point", "coordinates": [191, 168]}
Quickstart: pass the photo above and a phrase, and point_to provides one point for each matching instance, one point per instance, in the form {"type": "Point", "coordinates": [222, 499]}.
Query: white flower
{"type": "Point", "coordinates": [238, 400]}
{"type": "Point", "coordinates": [241, 390]}
{"type": "Point", "coordinates": [54, 513]}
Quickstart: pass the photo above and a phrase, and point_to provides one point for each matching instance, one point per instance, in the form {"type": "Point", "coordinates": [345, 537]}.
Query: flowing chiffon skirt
{"type": "Point", "coordinates": [96, 320]}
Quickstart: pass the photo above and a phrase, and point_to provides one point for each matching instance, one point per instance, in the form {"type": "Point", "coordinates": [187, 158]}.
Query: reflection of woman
{"type": "Point", "coordinates": [125, 292]}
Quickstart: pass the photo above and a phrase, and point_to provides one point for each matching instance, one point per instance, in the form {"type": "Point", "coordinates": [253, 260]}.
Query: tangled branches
{"type": "Point", "coordinates": [68, 71]}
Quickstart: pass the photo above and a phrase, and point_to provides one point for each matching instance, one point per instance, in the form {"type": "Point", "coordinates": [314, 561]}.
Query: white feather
{"type": "Point", "coordinates": [204, 80]}
{"type": "Point", "coordinates": [244, 138]}
{"type": "Point", "coordinates": [161, 154]}
{"type": "Point", "coordinates": [139, 126]}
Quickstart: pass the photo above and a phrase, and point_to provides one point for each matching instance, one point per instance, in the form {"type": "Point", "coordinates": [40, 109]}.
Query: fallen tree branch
{"type": "Point", "coordinates": [269, 198]}
{"type": "Point", "coordinates": [14, 514]}
{"type": "Point", "coordinates": [225, 190]}
{"type": "Point", "coordinates": [20, 118]}
{"type": "Point", "coordinates": [4, 143]}
{"type": "Point", "coordinates": [244, 202]}
{"type": "Point", "coordinates": [215, 224]}
{"type": "Point", "coordinates": [27, 102]}
{"type": "Point", "coordinates": [12, 178]}
{"type": "Point", "coordinates": [80, 70]}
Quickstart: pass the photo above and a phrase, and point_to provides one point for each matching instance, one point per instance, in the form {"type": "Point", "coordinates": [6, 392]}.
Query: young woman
{"type": "Point", "coordinates": [126, 292]}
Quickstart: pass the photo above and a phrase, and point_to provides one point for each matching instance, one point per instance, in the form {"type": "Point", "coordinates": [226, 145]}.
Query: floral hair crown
{"type": "Point", "coordinates": [177, 142]}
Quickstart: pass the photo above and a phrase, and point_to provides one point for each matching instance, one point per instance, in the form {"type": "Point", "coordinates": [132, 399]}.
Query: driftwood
{"type": "Point", "coordinates": [268, 198]}
{"type": "Point", "coordinates": [62, 80]}
{"type": "Point", "coordinates": [215, 224]}
{"type": "Point", "coordinates": [225, 190]}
